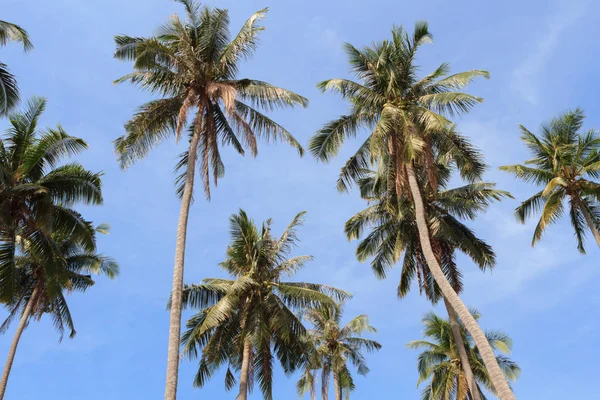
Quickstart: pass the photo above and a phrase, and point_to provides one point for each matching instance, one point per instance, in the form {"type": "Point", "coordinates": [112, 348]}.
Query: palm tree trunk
{"type": "Point", "coordinates": [336, 386]}
{"type": "Point", "coordinates": [325, 382]}
{"type": "Point", "coordinates": [13, 347]}
{"type": "Point", "coordinates": [590, 221]}
{"type": "Point", "coordinates": [487, 354]}
{"type": "Point", "coordinates": [175, 317]}
{"type": "Point", "coordinates": [245, 373]}
{"type": "Point", "coordinates": [462, 352]}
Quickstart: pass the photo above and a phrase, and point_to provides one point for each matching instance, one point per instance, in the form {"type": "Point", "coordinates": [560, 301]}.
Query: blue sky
{"type": "Point", "coordinates": [543, 59]}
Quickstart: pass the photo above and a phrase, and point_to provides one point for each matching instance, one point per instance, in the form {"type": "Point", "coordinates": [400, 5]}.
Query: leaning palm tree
{"type": "Point", "coordinates": [44, 280]}
{"type": "Point", "coordinates": [38, 190]}
{"type": "Point", "coordinates": [439, 362]}
{"type": "Point", "coordinates": [9, 92]}
{"type": "Point", "coordinates": [193, 65]}
{"type": "Point", "coordinates": [243, 321]}
{"type": "Point", "coordinates": [564, 160]}
{"type": "Point", "coordinates": [394, 234]}
{"type": "Point", "coordinates": [335, 346]}
{"type": "Point", "coordinates": [406, 116]}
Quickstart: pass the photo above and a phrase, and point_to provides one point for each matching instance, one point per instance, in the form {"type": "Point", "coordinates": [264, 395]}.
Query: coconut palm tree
{"type": "Point", "coordinates": [564, 162]}
{"type": "Point", "coordinates": [439, 362]}
{"type": "Point", "coordinates": [9, 92]}
{"type": "Point", "coordinates": [193, 65]}
{"type": "Point", "coordinates": [335, 346]}
{"type": "Point", "coordinates": [248, 321]}
{"type": "Point", "coordinates": [406, 116]}
{"type": "Point", "coordinates": [38, 190]}
{"type": "Point", "coordinates": [44, 280]}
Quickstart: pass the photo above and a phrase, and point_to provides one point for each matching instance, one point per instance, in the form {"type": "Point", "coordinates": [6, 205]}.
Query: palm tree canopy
{"type": "Point", "coordinates": [565, 161]}
{"type": "Point", "coordinates": [9, 93]}
{"type": "Point", "coordinates": [255, 305]}
{"type": "Point", "coordinates": [193, 65]}
{"type": "Point", "coordinates": [336, 345]}
{"type": "Point", "coordinates": [439, 362]}
{"type": "Point", "coordinates": [394, 104]}
{"type": "Point", "coordinates": [393, 234]}
{"type": "Point", "coordinates": [65, 271]}
{"type": "Point", "coordinates": [38, 190]}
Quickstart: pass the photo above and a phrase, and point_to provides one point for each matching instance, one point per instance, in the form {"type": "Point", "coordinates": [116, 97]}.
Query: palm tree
{"type": "Point", "coordinates": [193, 65]}
{"type": "Point", "coordinates": [406, 115]}
{"type": "Point", "coordinates": [38, 190]}
{"type": "Point", "coordinates": [564, 160]}
{"type": "Point", "coordinates": [394, 234]}
{"type": "Point", "coordinates": [335, 346]}
{"type": "Point", "coordinates": [439, 362]}
{"type": "Point", "coordinates": [9, 92]}
{"type": "Point", "coordinates": [45, 279]}
{"type": "Point", "coordinates": [243, 321]}
{"type": "Point", "coordinates": [37, 193]}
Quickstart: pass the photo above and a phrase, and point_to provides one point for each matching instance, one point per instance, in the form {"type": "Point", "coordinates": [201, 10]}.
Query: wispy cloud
{"type": "Point", "coordinates": [526, 76]}
{"type": "Point", "coordinates": [521, 267]}
{"type": "Point", "coordinates": [324, 37]}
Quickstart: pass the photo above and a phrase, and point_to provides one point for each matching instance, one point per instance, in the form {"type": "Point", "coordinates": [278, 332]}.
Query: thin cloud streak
{"type": "Point", "coordinates": [526, 76]}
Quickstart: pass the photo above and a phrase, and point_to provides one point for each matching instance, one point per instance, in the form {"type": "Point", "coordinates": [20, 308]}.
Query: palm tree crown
{"type": "Point", "coordinates": [564, 160]}
{"type": "Point", "coordinates": [243, 321]}
{"type": "Point", "coordinates": [67, 272]}
{"type": "Point", "coordinates": [193, 65]}
{"type": "Point", "coordinates": [439, 362]}
{"type": "Point", "coordinates": [332, 347]}
{"type": "Point", "coordinates": [393, 232]}
{"type": "Point", "coordinates": [403, 113]}
{"type": "Point", "coordinates": [9, 93]}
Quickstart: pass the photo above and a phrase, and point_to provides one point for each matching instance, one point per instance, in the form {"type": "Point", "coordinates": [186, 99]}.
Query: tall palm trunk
{"type": "Point", "coordinates": [589, 220]}
{"type": "Point", "coordinates": [325, 382]}
{"type": "Point", "coordinates": [245, 373]}
{"type": "Point", "coordinates": [462, 352]}
{"type": "Point", "coordinates": [487, 354]}
{"type": "Point", "coordinates": [336, 386]}
{"type": "Point", "coordinates": [175, 317]}
{"type": "Point", "coordinates": [13, 346]}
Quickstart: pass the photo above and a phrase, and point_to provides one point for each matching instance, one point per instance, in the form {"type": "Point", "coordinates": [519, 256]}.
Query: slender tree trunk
{"type": "Point", "coordinates": [462, 352]}
{"type": "Point", "coordinates": [487, 354]}
{"type": "Point", "coordinates": [175, 317]}
{"type": "Point", "coordinates": [313, 388]}
{"type": "Point", "coordinates": [590, 221]}
{"type": "Point", "coordinates": [13, 346]}
{"type": "Point", "coordinates": [245, 373]}
{"type": "Point", "coordinates": [336, 386]}
{"type": "Point", "coordinates": [325, 382]}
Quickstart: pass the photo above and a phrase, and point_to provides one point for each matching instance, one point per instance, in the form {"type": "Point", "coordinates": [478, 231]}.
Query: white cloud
{"type": "Point", "coordinates": [526, 75]}
{"type": "Point", "coordinates": [521, 270]}
{"type": "Point", "coordinates": [324, 37]}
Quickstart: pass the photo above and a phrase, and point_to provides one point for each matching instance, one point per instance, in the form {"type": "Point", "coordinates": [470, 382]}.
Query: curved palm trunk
{"type": "Point", "coordinates": [245, 373]}
{"type": "Point", "coordinates": [325, 382]}
{"type": "Point", "coordinates": [462, 352]}
{"type": "Point", "coordinates": [336, 386]}
{"type": "Point", "coordinates": [497, 377]}
{"type": "Point", "coordinates": [13, 346]}
{"type": "Point", "coordinates": [175, 317]}
{"type": "Point", "coordinates": [590, 222]}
